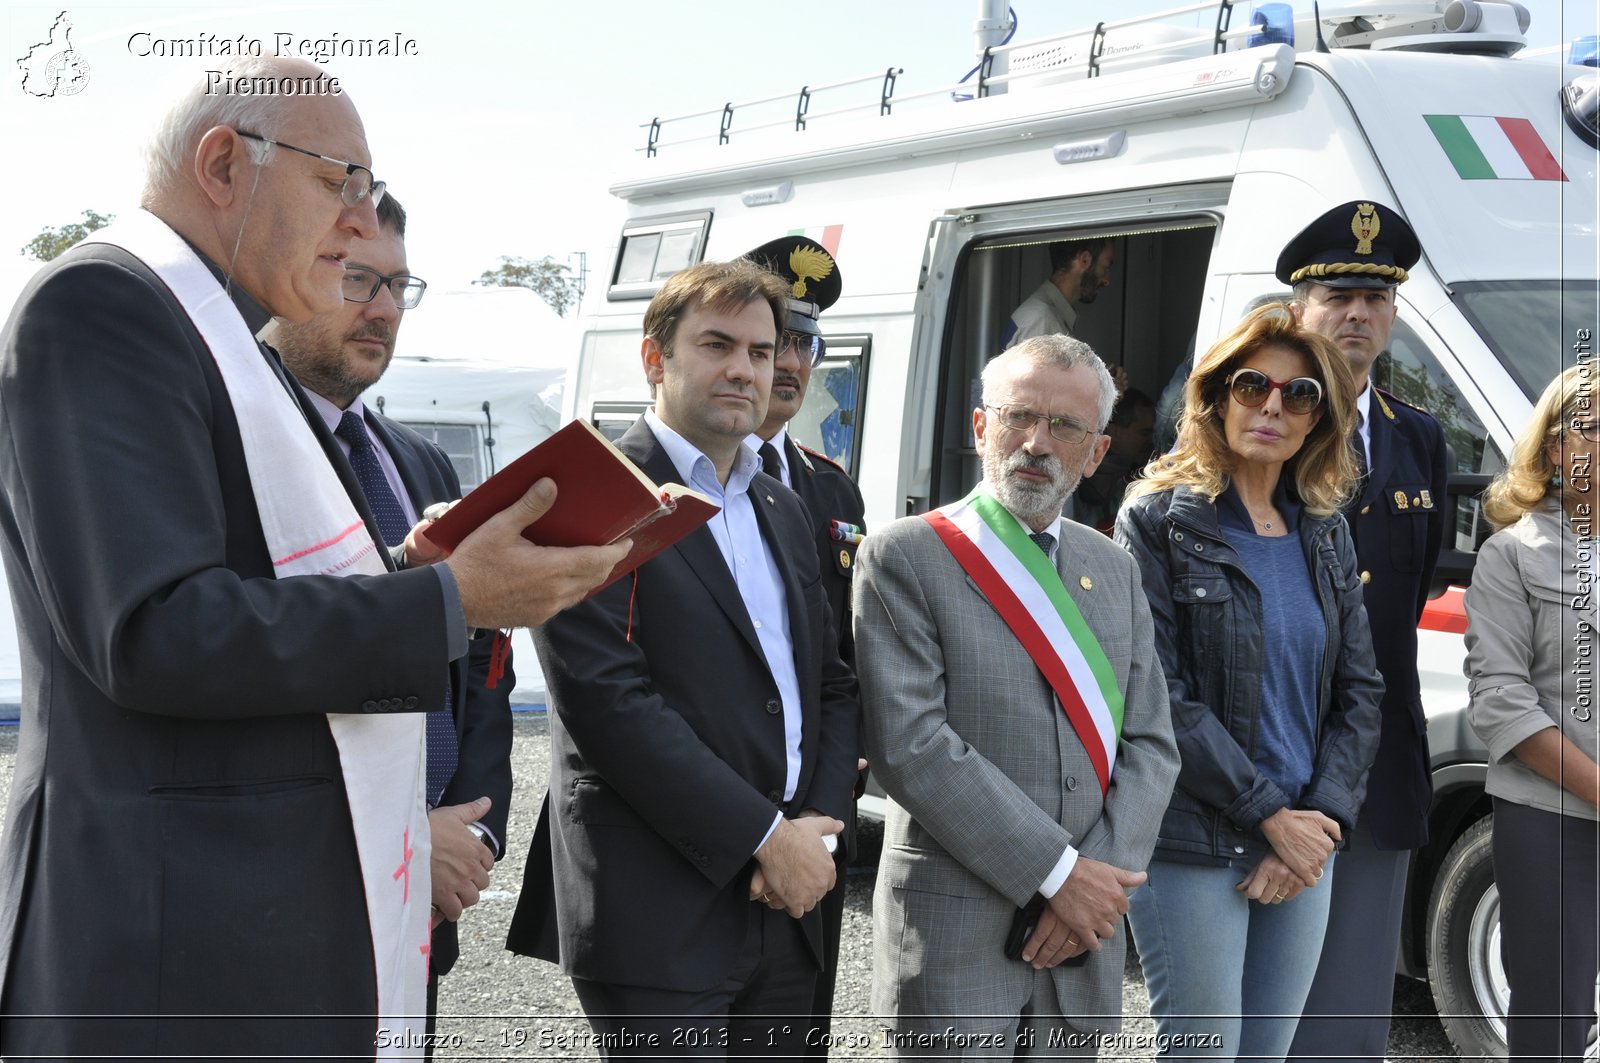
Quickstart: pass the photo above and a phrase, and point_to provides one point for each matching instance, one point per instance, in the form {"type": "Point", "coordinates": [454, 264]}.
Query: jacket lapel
{"type": "Point", "coordinates": [1382, 430]}
{"type": "Point", "coordinates": [698, 548]}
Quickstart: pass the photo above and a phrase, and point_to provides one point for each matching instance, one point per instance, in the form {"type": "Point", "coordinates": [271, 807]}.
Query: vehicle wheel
{"type": "Point", "coordinates": [1464, 969]}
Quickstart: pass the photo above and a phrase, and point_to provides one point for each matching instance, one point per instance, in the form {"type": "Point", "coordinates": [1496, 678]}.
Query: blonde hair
{"type": "Point", "coordinates": [1323, 472]}
{"type": "Point", "coordinates": [1525, 482]}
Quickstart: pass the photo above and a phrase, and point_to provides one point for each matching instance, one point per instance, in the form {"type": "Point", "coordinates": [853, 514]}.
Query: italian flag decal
{"type": "Point", "coordinates": [1485, 148]}
{"type": "Point", "coordinates": [826, 235]}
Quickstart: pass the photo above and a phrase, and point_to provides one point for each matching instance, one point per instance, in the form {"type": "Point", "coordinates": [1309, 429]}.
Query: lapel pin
{"type": "Point", "coordinates": [770, 502]}
{"type": "Point", "coordinates": [1086, 583]}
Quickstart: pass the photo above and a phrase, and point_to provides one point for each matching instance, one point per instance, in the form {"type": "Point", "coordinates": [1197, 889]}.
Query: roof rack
{"type": "Point", "coordinates": [1483, 26]}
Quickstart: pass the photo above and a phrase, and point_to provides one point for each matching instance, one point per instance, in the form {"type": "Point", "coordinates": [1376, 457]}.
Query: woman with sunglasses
{"type": "Point", "coordinates": [1260, 628]}
{"type": "Point", "coordinates": [1532, 661]}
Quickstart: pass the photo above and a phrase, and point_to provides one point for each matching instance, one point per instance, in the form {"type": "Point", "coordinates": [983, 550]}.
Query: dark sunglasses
{"type": "Point", "coordinates": [1250, 387]}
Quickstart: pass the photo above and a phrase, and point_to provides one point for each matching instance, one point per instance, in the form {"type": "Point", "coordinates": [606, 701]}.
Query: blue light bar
{"type": "Point", "coordinates": [1276, 22]}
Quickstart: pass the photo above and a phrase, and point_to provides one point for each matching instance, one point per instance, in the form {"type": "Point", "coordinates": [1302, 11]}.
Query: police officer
{"type": "Point", "coordinates": [1344, 268]}
{"type": "Point", "coordinates": [831, 497]}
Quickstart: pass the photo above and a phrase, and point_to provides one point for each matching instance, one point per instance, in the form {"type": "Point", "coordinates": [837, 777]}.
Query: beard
{"type": "Point", "coordinates": [1032, 503]}
{"type": "Point", "coordinates": [1088, 287]}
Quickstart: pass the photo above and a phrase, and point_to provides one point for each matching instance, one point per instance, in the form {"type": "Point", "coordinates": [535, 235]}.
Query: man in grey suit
{"type": "Point", "coordinates": [1019, 726]}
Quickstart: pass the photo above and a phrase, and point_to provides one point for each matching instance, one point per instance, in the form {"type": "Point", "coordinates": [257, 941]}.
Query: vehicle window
{"type": "Point", "coordinates": [1409, 370]}
{"type": "Point", "coordinates": [1536, 328]}
{"type": "Point", "coordinates": [830, 418]}
{"type": "Point", "coordinates": [653, 249]}
{"type": "Point", "coordinates": [462, 444]}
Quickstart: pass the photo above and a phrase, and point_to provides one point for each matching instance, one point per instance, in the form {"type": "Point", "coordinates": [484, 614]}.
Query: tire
{"type": "Point", "coordinates": [1464, 969]}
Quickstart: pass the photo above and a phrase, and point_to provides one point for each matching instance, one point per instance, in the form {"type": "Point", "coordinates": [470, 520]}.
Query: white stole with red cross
{"type": "Point", "coordinates": [312, 528]}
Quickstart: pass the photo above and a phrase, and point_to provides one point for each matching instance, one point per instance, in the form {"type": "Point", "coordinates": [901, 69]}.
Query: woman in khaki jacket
{"type": "Point", "coordinates": [1532, 654]}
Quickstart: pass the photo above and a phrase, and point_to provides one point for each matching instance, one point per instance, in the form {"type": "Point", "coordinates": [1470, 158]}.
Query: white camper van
{"type": "Point", "coordinates": [1201, 154]}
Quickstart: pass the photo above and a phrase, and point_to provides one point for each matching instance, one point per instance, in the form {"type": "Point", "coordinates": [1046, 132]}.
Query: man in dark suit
{"type": "Point", "coordinates": [833, 501]}
{"type": "Point", "coordinates": [704, 730]}
{"type": "Point", "coordinates": [216, 818]}
{"type": "Point", "coordinates": [1344, 268]}
{"type": "Point", "coordinates": [336, 357]}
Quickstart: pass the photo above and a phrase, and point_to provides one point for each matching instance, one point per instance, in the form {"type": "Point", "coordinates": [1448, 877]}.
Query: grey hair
{"type": "Point", "coordinates": [1302, 293]}
{"type": "Point", "coordinates": [172, 145]}
{"type": "Point", "coordinates": [1057, 351]}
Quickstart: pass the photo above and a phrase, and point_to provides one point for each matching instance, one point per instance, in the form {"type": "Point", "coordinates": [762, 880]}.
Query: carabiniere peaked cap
{"type": "Point", "coordinates": [812, 274]}
{"type": "Point", "coordinates": [1359, 244]}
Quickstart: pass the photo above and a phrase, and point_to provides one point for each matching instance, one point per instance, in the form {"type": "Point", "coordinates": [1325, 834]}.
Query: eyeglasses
{"type": "Point", "coordinates": [1250, 387]}
{"type": "Point", "coordinates": [361, 286]}
{"type": "Point", "coordinates": [1022, 419]}
{"type": "Point", "coordinates": [358, 180]}
{"type": "Point", "coordinates": [808, 346]}
{"type": "Point", "coordinates": [1589, 430]}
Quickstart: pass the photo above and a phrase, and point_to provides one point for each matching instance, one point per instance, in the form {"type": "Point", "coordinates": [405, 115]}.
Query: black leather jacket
{"type": "Point", "coordinates": [1208, 623]}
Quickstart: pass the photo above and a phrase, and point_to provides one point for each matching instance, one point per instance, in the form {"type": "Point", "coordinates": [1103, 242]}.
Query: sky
{"type": "Point", "coordinates": [501, 125]}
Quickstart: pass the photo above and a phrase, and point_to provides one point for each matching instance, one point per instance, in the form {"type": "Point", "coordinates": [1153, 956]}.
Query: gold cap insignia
{"type": "Point", "coordinates": [1365, 226]}
{"type": "Point", "coordinates": [1427, 499]}
{"type": "Point", "coordinates": [1086, 583]}
{"type": "Point", "coordinates": [1400, 500]}
{"type": "Point", "coordinates": [844, 559]}
{"type": "Point", "coordinates": [808, 264]}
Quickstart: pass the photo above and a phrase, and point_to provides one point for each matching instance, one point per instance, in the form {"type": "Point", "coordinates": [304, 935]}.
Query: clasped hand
{"type": "Point", "coordinates": [794, 868]}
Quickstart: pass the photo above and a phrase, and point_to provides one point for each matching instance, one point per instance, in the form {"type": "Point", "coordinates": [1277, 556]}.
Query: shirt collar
{"type": "Point", "coordinates": [331, 414]}
{"type": "Point", "coordinates": [1063, 305]}
{"type": "Point", "coordinates": [695, 469]}
{"type": "Point", "coordinates": [255, 315]}
{"type": "Point", "coordinates": [1054, 527]}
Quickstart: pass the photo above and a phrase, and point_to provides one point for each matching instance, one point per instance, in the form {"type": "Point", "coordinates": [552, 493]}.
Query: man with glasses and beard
{"type": "Point", "coordinates": [1019, 724]}
{"type": "Point", "coordinates": [336, 357]}
{"type": "Point", "coordinates": [1344, 268]}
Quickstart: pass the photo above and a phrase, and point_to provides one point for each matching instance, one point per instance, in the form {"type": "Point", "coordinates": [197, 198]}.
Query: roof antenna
{"type": "Point", "coordinates": [1316, 22]}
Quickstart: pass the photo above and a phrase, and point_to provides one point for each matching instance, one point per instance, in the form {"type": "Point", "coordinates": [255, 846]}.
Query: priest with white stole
{"type": "Point", "coordinates": [1017, 718]}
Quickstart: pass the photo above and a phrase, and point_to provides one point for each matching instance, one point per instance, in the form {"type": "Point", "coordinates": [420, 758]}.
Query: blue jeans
{"type": "Point", "coordinates": [1228, 977]}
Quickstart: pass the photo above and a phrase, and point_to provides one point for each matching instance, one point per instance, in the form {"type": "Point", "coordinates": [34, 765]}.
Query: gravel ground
{"type": "Point", "coordinates": [499, 1006]}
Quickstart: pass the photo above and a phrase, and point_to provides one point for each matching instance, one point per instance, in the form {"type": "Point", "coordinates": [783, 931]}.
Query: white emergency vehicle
{"type": "Point", "coordinates": [1201, 153]}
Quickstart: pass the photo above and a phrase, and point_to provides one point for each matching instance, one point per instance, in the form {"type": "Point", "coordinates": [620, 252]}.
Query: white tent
{"type": "Point", "coordinates": [481, 372]}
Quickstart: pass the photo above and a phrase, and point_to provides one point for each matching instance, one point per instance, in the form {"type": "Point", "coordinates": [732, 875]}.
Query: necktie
{"type": "Point", "coordinates": [769, 461]}
{"type": "Point", "coordinates": [443, 748]}
{"type": "Point", "coordinates": [1358, 451]}
{"type": "Point", "coordinates": [1043, 540]}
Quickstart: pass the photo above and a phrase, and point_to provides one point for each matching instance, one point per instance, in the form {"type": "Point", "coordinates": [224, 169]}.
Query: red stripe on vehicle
{"type": "Point", "coordinates": [1447, 613]}
{"type": "Point", "coordinates": [1541, 164]}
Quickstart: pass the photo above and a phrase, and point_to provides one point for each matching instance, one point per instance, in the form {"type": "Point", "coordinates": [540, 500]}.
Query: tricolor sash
{"type": "Point", "coordinates": [312, 528]}
{"type": "Point", "coordinates": [1026, 590]}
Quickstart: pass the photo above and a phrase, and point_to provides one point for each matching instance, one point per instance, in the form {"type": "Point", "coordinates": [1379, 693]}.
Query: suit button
{"type": "Point", "coordinates": [775, 797]}
{"type": "Point", "coordinates": [1072, 783]}
{"type": "Point", "coordinates": [1239, 849]}
{"type": "Point", "coordinates": [774, 706]}
{"type": "Point", "coordinates": [369, 706]}
{"type": "Point", "coordinates": [1366, 577]}
{"type": "Point", "coordinates": [1199, 592]}
{"type": "Point", "coordinates": [411, 704]}
{"type": "Point", "coordinates": [1365, 510]}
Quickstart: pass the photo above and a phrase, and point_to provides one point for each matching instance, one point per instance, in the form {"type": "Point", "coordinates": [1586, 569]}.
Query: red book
{"type": "Point", "coordinates": [601, 497]}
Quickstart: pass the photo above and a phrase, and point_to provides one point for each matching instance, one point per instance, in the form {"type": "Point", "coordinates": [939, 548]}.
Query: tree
{"type": "Point", "coordinates": [553, 281]}
{"type": "Point", "coordinates": [52, 242]}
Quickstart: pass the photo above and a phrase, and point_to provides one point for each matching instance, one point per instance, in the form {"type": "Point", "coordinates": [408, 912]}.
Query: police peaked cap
{"type": "Point", "coordinates": [811, 272]}
{"type": "Point", "coordinates": [1360, 244]}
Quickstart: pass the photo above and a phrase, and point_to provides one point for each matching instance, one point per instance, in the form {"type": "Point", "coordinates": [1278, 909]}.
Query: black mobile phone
{"type": "Point", "coordinates": [1022, 927]}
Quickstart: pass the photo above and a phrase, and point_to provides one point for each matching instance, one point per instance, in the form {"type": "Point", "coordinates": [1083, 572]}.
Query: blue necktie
{"type": "Point", "coordinates": [443, 749]}
{"type": "Point", "coordinates": [1043, 540]}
